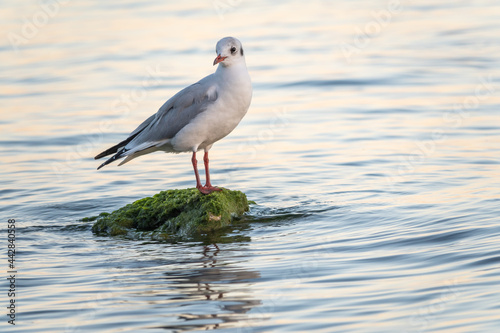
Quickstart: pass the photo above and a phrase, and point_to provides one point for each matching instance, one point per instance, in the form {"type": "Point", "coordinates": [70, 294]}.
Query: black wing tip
{"type": "Point", "coordinates": [99, 156]}
{"type": "Point", "coordinates": [107, 152]}
{"type": "Point", "coordinates": [112, 158]}
{"type": "Point", "coordinates": [105, 163]}
{"type": "Point", "coordinates": [115, 148]}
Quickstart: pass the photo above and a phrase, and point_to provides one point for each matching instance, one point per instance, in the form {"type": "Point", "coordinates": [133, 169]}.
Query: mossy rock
{"type": "Point", "coordinates": [178, 213]}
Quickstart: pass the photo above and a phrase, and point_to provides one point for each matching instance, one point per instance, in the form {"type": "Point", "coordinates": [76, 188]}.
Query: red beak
{"type": "Point", "coordinates": [219, 59]}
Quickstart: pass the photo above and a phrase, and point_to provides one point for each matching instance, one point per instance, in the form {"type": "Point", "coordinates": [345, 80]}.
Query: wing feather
{"type": "Point", "coordinates": [176, 113]}
{"type": "Point", "coordinates": [172, 116]}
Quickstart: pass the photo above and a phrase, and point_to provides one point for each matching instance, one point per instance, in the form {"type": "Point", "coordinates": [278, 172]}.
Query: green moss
{"type": "Point", "coordinates": [89, 219]}
{"type": "Point", "coordinates": [174, 213]}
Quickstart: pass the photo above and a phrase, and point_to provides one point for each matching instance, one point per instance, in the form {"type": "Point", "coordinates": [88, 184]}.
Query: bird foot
{"type": "Point", "coordinates": [208, 189]}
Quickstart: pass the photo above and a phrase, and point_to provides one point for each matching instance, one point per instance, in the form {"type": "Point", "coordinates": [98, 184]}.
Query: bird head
{"type": "Point", "coordinates": [229, 51]}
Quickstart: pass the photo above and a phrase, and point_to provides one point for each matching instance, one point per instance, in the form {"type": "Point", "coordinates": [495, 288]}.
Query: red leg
{"type": "Point", "coordinates": [195, 167]}
{"type": "Point", "coordinates": [208, 188]}
{"type": "Point", "coordinates": [207, 172]}
{"type": "Point", "coordinates": [208, 184]}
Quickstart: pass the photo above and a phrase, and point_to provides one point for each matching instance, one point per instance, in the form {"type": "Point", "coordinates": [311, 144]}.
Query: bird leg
{"type": "Point", "coordinates": [208, 188]}
{"type": "Point", "coordinates": [207, 175]}
{"type": "Point", "coordinates": [195, 167]}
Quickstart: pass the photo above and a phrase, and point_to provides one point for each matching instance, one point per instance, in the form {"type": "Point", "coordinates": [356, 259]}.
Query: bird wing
{"type": "Point", "coordinates": [176, 113]}
{"type": "Point", "coordinates": [172, 116]}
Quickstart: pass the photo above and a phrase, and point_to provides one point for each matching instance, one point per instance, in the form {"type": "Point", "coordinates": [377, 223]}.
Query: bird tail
{"type": "Point", "coordinates": [113, 158]}
{"type": "Point", "coordinates": [115, 148]}
{"type": "Point", "coordinates": [130, 153]}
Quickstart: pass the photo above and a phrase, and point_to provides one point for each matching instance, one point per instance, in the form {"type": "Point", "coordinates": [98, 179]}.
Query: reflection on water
{"type": "Point", "coordinates": [210, 283]}
{"type": "Point", "coordinates": [187, 287]}
{"type": "Point", "coordinates": [371, 149]}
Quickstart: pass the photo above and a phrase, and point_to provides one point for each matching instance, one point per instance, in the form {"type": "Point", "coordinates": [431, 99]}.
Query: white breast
{"type": "Point", "coordinates": [234, 90]}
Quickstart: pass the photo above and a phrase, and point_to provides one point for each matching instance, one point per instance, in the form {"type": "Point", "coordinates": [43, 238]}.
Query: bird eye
{"type": "Point", "coordinates": [233, 49]}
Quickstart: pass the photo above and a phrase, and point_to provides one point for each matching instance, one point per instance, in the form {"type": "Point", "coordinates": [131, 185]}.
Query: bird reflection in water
{"type": "Point", "coordinates": [212, 262]}
{"type": "Point", "coordinates": [217, 292]}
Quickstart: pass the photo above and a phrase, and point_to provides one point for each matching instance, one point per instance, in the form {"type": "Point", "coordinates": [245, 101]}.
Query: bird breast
{"type": "Point", "coordinates": [220, 119]}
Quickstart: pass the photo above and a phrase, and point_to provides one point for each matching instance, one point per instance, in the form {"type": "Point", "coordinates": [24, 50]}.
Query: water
{"type": "Point", "coordinates": [371, 148]}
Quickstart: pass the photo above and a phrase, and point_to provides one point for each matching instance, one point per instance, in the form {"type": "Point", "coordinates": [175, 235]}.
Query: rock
{"type": "Point", "coordinates": [173, 213]}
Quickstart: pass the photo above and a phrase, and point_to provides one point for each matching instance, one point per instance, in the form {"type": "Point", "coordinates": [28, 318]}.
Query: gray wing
{"type": "Point", "coordinates": [172, 116]}
{"type": "Point", "coordinates": [176, 113]}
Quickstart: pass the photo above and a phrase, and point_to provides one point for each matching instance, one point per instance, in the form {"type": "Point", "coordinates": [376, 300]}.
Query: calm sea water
{"type": "Point", "coordinates": [372, 149]}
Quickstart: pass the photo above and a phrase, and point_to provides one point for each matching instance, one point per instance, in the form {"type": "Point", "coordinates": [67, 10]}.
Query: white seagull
{"type": "Point", "coordinates": [197, 116]}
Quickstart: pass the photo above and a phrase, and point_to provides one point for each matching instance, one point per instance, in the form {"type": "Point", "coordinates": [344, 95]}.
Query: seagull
{"type": "Point", "coordinates": [197, 116]}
